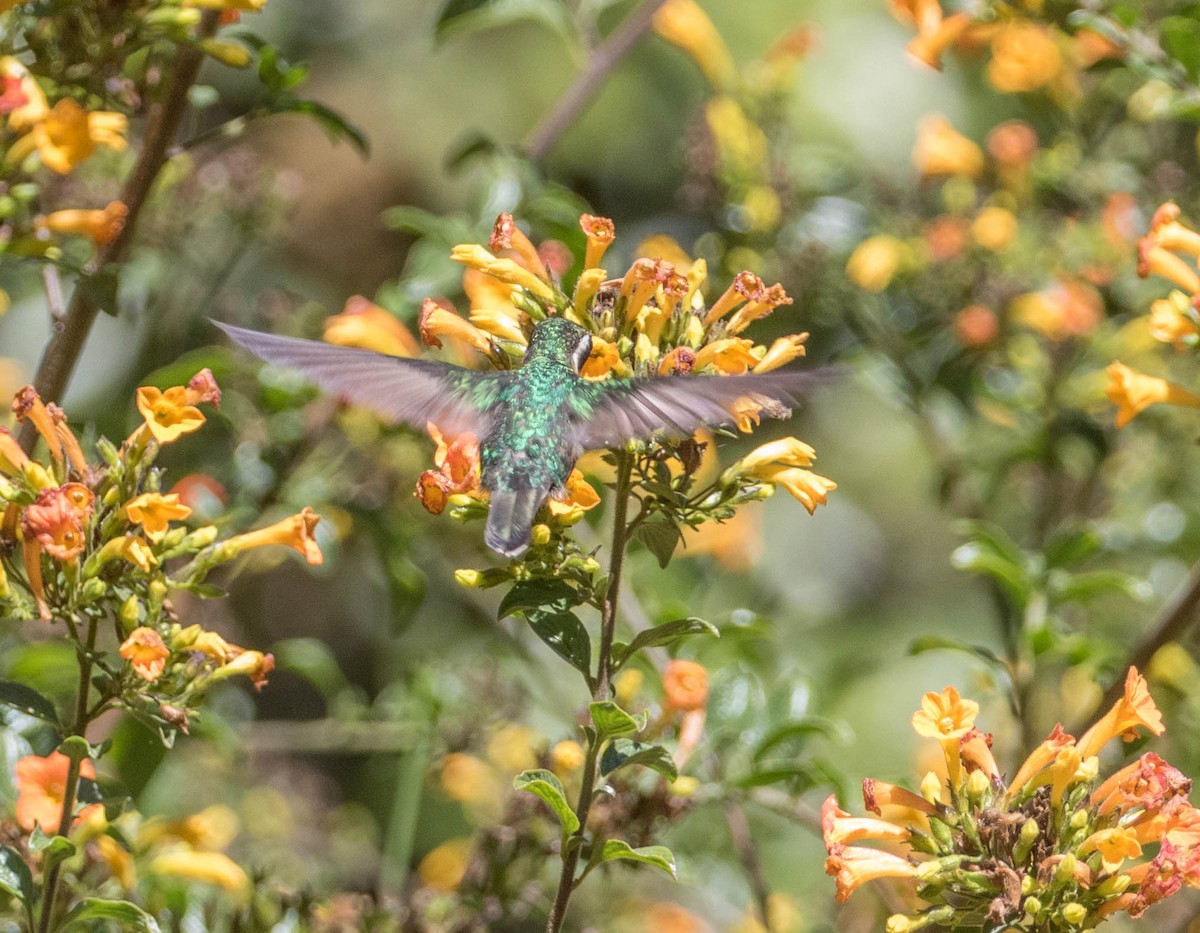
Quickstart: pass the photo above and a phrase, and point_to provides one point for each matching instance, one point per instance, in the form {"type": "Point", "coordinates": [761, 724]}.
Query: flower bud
{"type": "Point", "coordinates": [108, 452]}
{"type": "Point", "coordinates": [1032, 905]}
{"type": "Point", "coordinates": [1065, 873]}
{"type": "Point", "coordinates": [931, 787]}
{"type": "Point", "coordinates": [173, 16]}
{"type": "Point", "coordinates": [128, 613]}
{"type": "Point", "coordinates": [92, 590]}
{"type": "Point", "coordinates": [540, 535]}
{"type": "Point", "coordinates": [684, 786]}
{"type": "Point", "coordinates": [200, 538]}
{"type": "Point", "coordinates": [977, 787]}
{"type": "Point", "coordinates": [1074, 913]}
{"type": "Point", "coordinates": [233, 54]}
{"type": "Point", "coordinates": [468, 578]}
{"type": "Point", "coordinates": [1029, 835]}
{"type": "Point", "coordinates": [1079, 819]}
{"type": "Point", "coordinates": [37, 477]}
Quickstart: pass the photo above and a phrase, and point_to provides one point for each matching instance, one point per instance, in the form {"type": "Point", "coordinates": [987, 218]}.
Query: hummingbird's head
{"type": "Point", "coordinates": [556, 339]}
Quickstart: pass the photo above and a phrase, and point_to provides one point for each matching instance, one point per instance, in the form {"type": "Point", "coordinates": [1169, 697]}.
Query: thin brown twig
{"type": "Point", "coordinates": [70, 333]}
{"type": "Point", "coordinates": [743, 842]}
{"type": "Point", "coordinates": [543, 137]}
{"type": "Point", "coordinates": [1175, 618]}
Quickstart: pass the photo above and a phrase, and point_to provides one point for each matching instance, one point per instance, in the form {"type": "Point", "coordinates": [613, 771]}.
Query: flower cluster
{"type": "Point", "coordinates": [1174, 320]}
{"type": "Point", "coordinates": [85, 542]}
{"type": "Point", "coordinates": [652, 320]}
{"type": "Point", "coordinates": [1057, 847]}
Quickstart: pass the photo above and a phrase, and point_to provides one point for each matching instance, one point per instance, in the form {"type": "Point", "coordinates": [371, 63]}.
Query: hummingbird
{"type": "Point", "coordinates": [534, 422]}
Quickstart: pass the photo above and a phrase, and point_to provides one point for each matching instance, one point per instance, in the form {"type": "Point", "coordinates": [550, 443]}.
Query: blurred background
{"type": "Point", "coordinates": [336, 771]}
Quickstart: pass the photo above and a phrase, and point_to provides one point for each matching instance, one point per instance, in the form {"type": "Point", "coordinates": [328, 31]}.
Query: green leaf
{"type": "Point", "coordinates": [622, 752]}
{"type": "Point", "coordinates": [130, 917]}
{"type": "Point", "coordinates": [660, 537]}
{"type": "Point", "coordinates": [100, 287]}
{"type": "Point", "coordinates": [977, 558]}
{"type": "Point", "coordinates": [333, 123]}
{"type": "Point", "coordinates": [472, 146]}
{"type": "Point", "coordinates": [941, 643]}
{"type": "Point", "coordinates": [15, 876]}
{"type": "Point", "coordinates": [800, 729]}
{"type": "Point", "coordinates": [28, 701]}
{"type": "Point", "coordinates": [1081, 587]}
{"type": "Point", "coordinates": [1180, 37]}
{"type": "Point", "coordinates": [665, 634]}
{"type": "Point", "coordinates": [799, 777]}
{"type": "Point", "coordinates": [1071, 547]}
{"type": "Point", "coordinates": [658, 856]}
{"type": "Point", "coordinates": [544, 784]}
{"type": "Point", "coordinates": [537, 594]}
{"type": "Point", "coordinates": [464, 15]}
{"type": "Point", "coordinates": [610, 720]}
{"type": "Point", "coordinates": [565, 635]}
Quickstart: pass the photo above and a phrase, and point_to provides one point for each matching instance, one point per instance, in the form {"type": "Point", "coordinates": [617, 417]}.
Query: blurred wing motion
{"type": "Point", "coordinates": [613, 412]}
{"type": "Point", "coordinates": [412, 391]}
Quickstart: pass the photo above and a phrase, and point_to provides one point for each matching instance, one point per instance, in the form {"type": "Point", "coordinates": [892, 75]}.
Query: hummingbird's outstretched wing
{"type": "Point", "coordinates": [413, 391]}
{"type": "Point", "coordinates": [612, 412]}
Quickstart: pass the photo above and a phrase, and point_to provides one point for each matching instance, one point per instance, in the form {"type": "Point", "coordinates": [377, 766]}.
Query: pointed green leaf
{"type": "Point", "coordinates": [666, 634]}
{"type": "Point", "coordinates": [29, 701]}
{"type": "Point", "coordinates": [799, 729]}
{"type": "Point", "coordinates": [1012, 578]}
{"type": "Point", "coordinates": [537, 594]}
{"type": "Point", "coordinates": [622, 752]}
{"type": "Point", "coordinates": [545, 784]}
{"type": "Point", "coordinates": [660, 537]}
{"type": "Point", "coordinates": [939, 643]}
{"type": "Point", "coordinates": [463, 15]}
{"type": "Point", "coordinates": [565, 634]}
{"type": "Point", "coordinates": [1081, 587]}
{"type": "Point", "coordinates": [610, 720]}
{"type": "Point", "coordinates": [15, 876]}
{"type": "Point", "coordinates": [130, 917]}
{"type": "Point", "coordinates": [658, 856]}
{"type": "Point", "coordinates": [1071, 547]}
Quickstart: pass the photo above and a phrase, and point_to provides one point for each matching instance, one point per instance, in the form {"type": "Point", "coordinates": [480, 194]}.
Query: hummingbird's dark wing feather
{"type": "Point", "coordinates": [610, 413]}
{"type": "Point", "coordinates": [412, 391]}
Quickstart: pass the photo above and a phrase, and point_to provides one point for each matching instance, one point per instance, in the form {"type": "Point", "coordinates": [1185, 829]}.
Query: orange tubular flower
{"type": "Point", "coordinates": [678, 362]}
{"type": "Point", "coordinates": [146, 653]}
{"type": "Point", "coordinates": [68, 440]}
{"type": "Point", "coordinates": [41, 787]}
{"type": "Point", "coordinates": [170, 414]}
{"type": "Point", "coordinates": [1154, 259]}
{"type": "Point", "coordinates": [1135, 709]}
{"type": "Point", "coordinates": [295, 532]}
{"type": "Point", "coordinates": [580, 497]}
{"type": "Point", "coordinates": [600, 233]}
{"type": "Point", "coordinates": [930, 44]}
{"type": "Point", "coordinates": [1133, 392]}
{"type": "Point", "coordinates": [492, 309]}
{"type": "Point", "coordinates": [436, 322]}
{"type": "Point", "coordinates": [56, 520]}
{"type": "Point", "coordinates": [1025, 57]}
{"type": "Point", "coordinates": [1114, 845]}
{"type": "Point", "coordinates": [640, 283]}
{"type": "Point", "coordinates": [685, 686]}
{"type": "Point", "coordinates": [154, 512]}
{"type": "Point", "coordinates": [759, 306]}
{"type": "Point", "coordinates": [28, 406]}
{"type": "Point", "coordinates": [1147, 784]}
{"type": "Point", "coordinates": [68, 134]}
{"type": "Point", "coordinates": [1040, 759]}
{"type": "Point", "coordinates": [745, 286]}
{"type": "Point", "coordinates": [365, 325]}
{"type": "Point", "coordinates": [683, 23]}
{"type": "Point", "coordinates": [781, 352]}
{"type": "Point", "coordinates": [975, 750]}
{"type": "Point", "coordinates": [507, 236]}
{"type": "Point", "coordinates": [502, 268]}
{"type": "Point", "coordinates": [854, 866]}
{"type": "Point", "coordinates": [1166, 231]}
{"type": "Point", "coordinates": [604, 358]}
{"type": "Point", "coordinates": [100, 226]}
{"type": "Point", "coordinates": [879, 794]}
{"type": "Point", "coordinates": [839, 828]}
{"type": "Point", "coordinates": [942, 150]}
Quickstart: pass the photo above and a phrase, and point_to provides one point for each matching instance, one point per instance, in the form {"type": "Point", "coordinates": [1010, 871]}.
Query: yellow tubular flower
{"type": "Point", "coordinates": [1166, 231]}
{"type": "Point", "coordinates": [600, 233]}
{"type": "Point", "coordinates": [1170, 323]}
{"type": "Point", "coordinates": [436, 322]}
{"type": "Point", "coordinates": [208, 867]}
{"type": "Point", "coordinates": [683, 23]}
{"type": "Point", "coordinates": [127, 547]}
{"type": "Point", "coordinates": [946, 717]}
{"type": "Point", "coordinates": [506, 270]}
{"type": "Point", "coordinates": [929, 45]}
{"type": "Point", "coordinates": [840, 828]}
{"type": "Point", "coordinates": [854, 866]}
{"type": "Point", "coordinates": [100, 226]}
{"type": "Point", "coordinates": [12, 457]}
{"type": "Point", "coordinates": [28, 406]}
{"type": "Point", "coordinates": [760, 306]}
{"type": "Point", "coordinates": [68, 135]}
{"type": "Point", "coordinates": [781, 352]}
{"type": "Point", "coordinates": [739, 140]}
{"type": "Point", "coordinates": [35, 107]}
{"type": "Point", "coordinates": [1135, 709]}
{"type": "Point", "coordinates": [492, 309]}
{"type": "Point", "coordinates": [295, 532]}
{"type": "Point", "coordinates": [730, 356]}
{"type": "Point", "coordinates": [1155, 260]}
{"type": "Point", "coordinates": [580, 498]}
{"type": "Point", "coordinates": [146, 653]}
{"type": "Point", "coordinates": [586, 286]}
{"type": "Point", "coordinates": [443, 867]}
{"type": "Point", "coordinates": [942, 150]}
{"type": "Point", "coordinates": [875, 262]}
{"type": "Point", "coordinates": [604, 359]}
{"type": "Point", "coordinates": [1133, 392]}
{"type": "Point", "coordinates": [1114, 845]}
{"type": "Point", "coordinates": [808, 488]}
{"type": "Point", "coordinates": [168, 414]}
{"type": "Point", "coordinates": [154, 512]}
{"type": "Point", "coordinates": [365, 325]}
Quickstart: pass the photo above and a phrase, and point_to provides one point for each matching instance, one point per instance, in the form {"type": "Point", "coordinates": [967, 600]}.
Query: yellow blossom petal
{"type": "Point", "coordinates": [1133, 392]}
{"type": "Point", "coordinates": [167, 414]}
{"type": "Point", "coordinates": [154, 512]}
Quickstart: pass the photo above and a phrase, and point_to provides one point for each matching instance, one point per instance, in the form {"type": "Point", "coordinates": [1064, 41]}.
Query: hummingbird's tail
{"type": "Point", "coordinates": [510, 519]}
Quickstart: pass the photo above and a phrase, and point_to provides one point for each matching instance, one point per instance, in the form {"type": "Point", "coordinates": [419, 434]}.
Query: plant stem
{"type": "Point", "coordinates": [743, 842]}
{"type": "Point", "coordinates": [573, 846]}
{"type": "Point", "coordinates": [71, 331]}
{"type": "Point", "coordinates": [588, 82]}
{"type": "Point", "coordinates": [1173, 620]}
{"type": "Point", "coordinates": [71, 788]}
